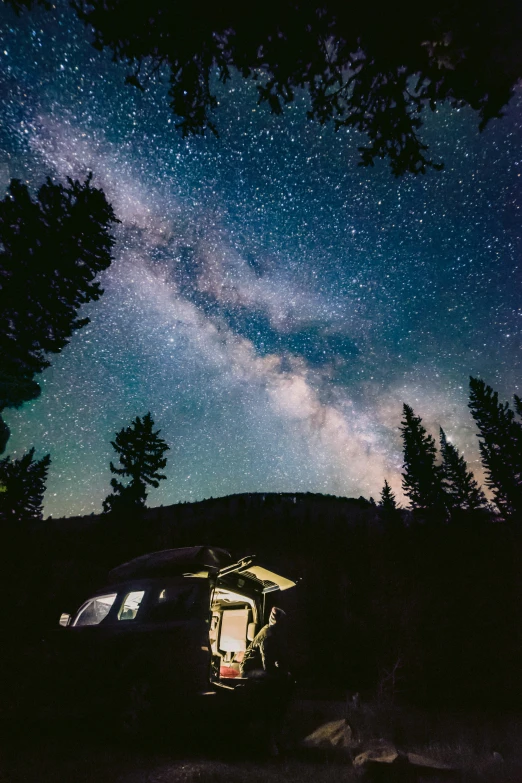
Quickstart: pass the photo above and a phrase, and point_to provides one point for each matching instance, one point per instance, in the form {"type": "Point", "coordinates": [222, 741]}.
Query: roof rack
{"type": "Point", "coordinates": [242, 565]}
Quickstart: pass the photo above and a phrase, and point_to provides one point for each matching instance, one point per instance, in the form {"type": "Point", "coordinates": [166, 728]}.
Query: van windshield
{"type": "Point", "coordinates": [95, 610]}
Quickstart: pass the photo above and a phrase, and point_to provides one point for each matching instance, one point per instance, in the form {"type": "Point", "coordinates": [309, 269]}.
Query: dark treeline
{"type": "Point", "coordinates": [439, 603]}
{"type": "Point", "coordinates": [438, 485]}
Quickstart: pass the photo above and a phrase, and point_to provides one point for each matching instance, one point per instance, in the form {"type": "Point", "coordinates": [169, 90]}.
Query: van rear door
{"type": "Point", "coordinates": [270, 581]}
{"type": "Point", "coordinates": [252, 579]}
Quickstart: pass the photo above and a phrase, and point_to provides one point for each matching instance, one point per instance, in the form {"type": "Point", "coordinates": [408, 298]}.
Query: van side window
{"type": "Point", "coordinates": [178, 602]}
{"type": "Point", "coordinates": [130, 605]}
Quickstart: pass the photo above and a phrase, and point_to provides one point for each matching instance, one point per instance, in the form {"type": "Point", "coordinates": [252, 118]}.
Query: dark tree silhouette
{"type": "Point", "coordinates": [388, 510]}
{"type": "Point", "coordinates": [421, 480]}
{"type": "Point", "coordinates": [370, 66]}
{"type": "Point", "coordinates": [4, 435]}
{"type": "Point", "coordinates": [500, 442]}
{"type": "Point", "coordinates": [51, 250]}
{"type": "Point", "coordinates": [22, 487]}
{"type": "Point", "coordinates": [460, 487]}
{"type": "Point", "coordinates": [140, 452]}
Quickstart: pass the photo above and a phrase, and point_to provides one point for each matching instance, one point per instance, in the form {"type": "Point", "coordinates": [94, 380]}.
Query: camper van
{"type": "Point", "coordinates": [168, 627]}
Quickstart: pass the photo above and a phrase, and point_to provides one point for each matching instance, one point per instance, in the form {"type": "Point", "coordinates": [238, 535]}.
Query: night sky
{"type": "Point", "coordinates": [270, 302]}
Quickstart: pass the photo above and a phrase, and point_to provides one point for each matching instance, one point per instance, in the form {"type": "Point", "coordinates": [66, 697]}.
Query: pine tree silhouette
{"type": "Point", "coordinates": [500, 443]}
{"type": "Point", "coordinates": [460, 487]}
{"type": "Point", "coordinates": [388, 510]}
{"type": "Point", "coordinates": [421, 480]}
{"type": "Point", "coordinates": [22, 487]}
{"type": "Point", "coordinates": [140, 452]}
{"type": "Point", "coordinates": [51, 250]}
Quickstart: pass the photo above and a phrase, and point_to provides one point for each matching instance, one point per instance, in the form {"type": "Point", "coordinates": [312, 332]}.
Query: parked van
{"type": "Point", "coordinates": [168, 627]}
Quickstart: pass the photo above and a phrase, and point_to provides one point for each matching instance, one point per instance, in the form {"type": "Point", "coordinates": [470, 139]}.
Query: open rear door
{"type": "Point", "coordinates": [270, 580]}
{"type": "Point", "coordinates": [246, 574]}
{"type": "Point", "coordinates": [239, 610]}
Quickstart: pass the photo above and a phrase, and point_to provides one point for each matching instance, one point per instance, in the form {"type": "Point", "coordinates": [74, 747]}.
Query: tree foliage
{"type": "Point", "coordinates": [51, 249]}
{"type": "Point", "coordinates": [461, 490]}
{"type": "Point", "coordinates": [421, 480]}
{"type": "Point", "coordinates": [500, 443]}
{"type": "Point", "coordinates": [388, 509]}
{"type": "Point", "coordinates": [140, 451]}
{"type": "Point", "coordinates": [374, 67]}
{"type": "Point", "coordinates": [22, 487]}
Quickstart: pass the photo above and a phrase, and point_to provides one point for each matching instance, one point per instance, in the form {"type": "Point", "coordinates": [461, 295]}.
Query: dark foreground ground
{"type": "Point", "coordinates": [83, 764]}
{"type": "Point", "coordinates": [459, 747]}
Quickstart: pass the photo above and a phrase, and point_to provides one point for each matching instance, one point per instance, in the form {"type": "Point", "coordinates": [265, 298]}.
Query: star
{"type": "Point", "coordinates": [270, 302]}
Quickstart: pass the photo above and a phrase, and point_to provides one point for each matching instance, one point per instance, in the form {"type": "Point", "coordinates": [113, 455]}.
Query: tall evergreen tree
{"type": "Point", "coordinates": [388, 510]}
{"type": "Point", "coordinates": [387, 498]}
{"type": "Point", "coordinates": [51, 249]}
{"type": "Point", "coordinates": [460, 487]}
{"type": "Point", "coordinates": [140, 451]}
{"type": "Point", "coordinates": [500, 443]}
{"type": "Point", "coordinates": [22, 487]}
{"type": "Point", "coordinates": [421, 480]}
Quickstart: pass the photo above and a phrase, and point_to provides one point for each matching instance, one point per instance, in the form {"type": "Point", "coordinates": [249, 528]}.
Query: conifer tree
{"type": "Point", "coordinates": [500, 443]}
{"type": "Point", "coordinates": [22, 487]}
{"type": "Point", "coordinates": [460, 487]}
{"type": "Point", "coordinates": [388, 509]}
{"type": "Point", "coordinates": [140, 451]}
{"type": "Point", "coordinates": [387, 498]}
{"type": "Point", "coordinates": [51, 249]}
{"type": "Point", "coordinates": [421, 480]}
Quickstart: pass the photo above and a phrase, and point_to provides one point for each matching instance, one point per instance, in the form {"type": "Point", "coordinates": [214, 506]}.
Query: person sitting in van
{"type": "Point", "coordinates": [267, 654]}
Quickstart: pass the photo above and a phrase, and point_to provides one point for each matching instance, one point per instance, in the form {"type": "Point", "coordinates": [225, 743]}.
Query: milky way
{"type": "Point", "coordinates": [270, 302]}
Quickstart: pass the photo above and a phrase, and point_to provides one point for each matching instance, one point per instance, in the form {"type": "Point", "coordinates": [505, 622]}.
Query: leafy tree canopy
{"type": "Point", "coordinates": [371, 66]}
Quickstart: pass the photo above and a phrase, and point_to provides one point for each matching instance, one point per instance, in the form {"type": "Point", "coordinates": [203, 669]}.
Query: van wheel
{"type": "Point", "coordinates": [136, 708]}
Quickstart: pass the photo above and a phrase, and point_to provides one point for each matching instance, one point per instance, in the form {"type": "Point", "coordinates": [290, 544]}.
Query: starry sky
{"type": "Point", "coordinates": [270, 302]}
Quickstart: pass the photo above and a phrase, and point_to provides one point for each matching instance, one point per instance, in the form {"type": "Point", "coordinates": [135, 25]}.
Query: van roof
{"type": "Point", "coordinates": [172, 561]}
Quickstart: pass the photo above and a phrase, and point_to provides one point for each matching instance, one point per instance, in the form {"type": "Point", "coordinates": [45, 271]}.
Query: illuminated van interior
{"type": "Point", "coordinates": [233, 626]}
